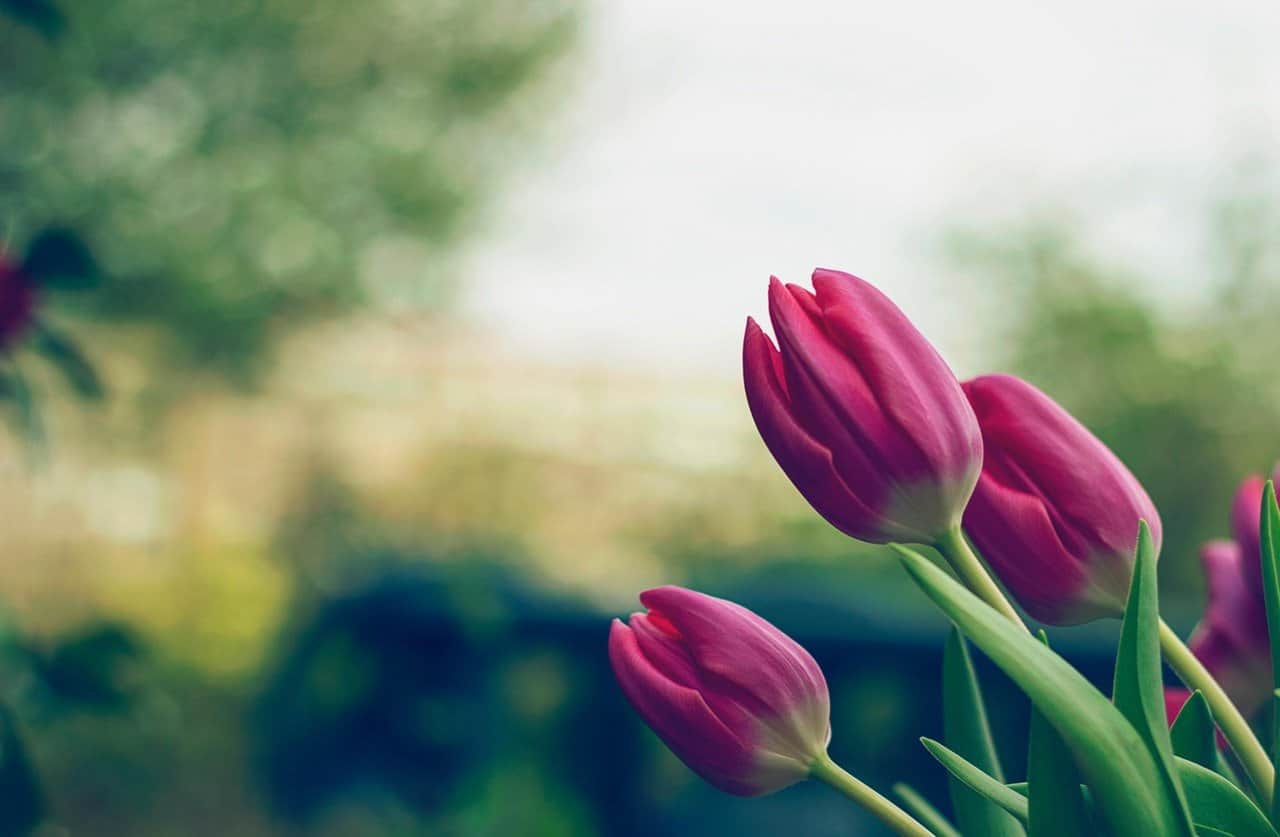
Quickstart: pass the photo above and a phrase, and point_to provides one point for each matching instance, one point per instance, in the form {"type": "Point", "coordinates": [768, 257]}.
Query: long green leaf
{"type": "Point", "coordinates": [1270, 557]}
{"type": "Point", "coordinates": [1218, 804]}
{"type": "Point", "coordinates": [1128, 785]}
{"type": "Point", "coordinates": [969, 735]}
{"type": "Point", "coordinates": [1139, 686]}
{"type": "Point", "coordinates": [928, 815]}
{"type": "Point", "coordinates": [971, 775]}
{"type": "Point", "coordinates": [1192, 734]}
{"type": "Point", "coordinates": [1056, 804]}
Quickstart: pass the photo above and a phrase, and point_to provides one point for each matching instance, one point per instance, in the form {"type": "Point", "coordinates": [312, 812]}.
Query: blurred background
{"type": "Point", "coordinates": [359, 361]}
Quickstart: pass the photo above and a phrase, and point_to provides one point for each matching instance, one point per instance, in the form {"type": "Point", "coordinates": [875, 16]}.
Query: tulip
{"type": "Point", "coordinates": [1232, 638]}
{"type": "Point", "coordinates": [17, 302]}
{"type": "Point", "coordinates": [740, 702]}
{"type": "Point", "coordinates": [861, 412]}
{"type": "Point", "coordinates": [1055, 513]}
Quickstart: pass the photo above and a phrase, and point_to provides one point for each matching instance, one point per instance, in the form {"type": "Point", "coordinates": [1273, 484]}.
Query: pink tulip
{"type": "Point", "coordinates": [861, 412]}
{"type": "Point", "coordinates": [1232, 638]}
{"type": "Point", "coordinates": [1055, 512]}
{"type": "Point", "coordinates": [17, 302]}
{"type": "Point", "coordinates": [743, 705]}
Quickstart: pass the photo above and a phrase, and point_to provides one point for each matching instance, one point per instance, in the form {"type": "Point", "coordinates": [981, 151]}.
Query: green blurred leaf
{"type": "Point", "coordinates": [1139, 686]}
{"type": "Point", "coordinates": [1270, 557]}
{"type": "Point", "coordinates": [1056, 804]}
{"type": "Point", "coordinates": [973, 777]}
{"type": "Point", "coordinates": [1128, 786]}
{"type": "Point", "coordinates": [71, 362]}
{"type": "Point", "coordinates": [1192, 734]}
{"type": "Point", "coordinates": [921, 808]}
{"type": "Point", "coordinates": [969, 735]}
{"type": "Point", "coordinates": [14, 388]}
{"type": "Point", "coordinates": [1218, 804]}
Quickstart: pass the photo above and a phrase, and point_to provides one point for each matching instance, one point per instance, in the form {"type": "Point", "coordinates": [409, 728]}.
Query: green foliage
{"type": "Point", "coordinates": [242, 166]}
{"type": "Point", "coordinates": [920, 808]}
{"type": "Point", "coordinates": [1192, 734]}
{"type": "Point", "coordinates": [1130, 791]}
{"type": "Point", "coordinates": [1139, 689]}
{"type": "Point", "coordinates": [1056, 806]}
{"type": "Point", "coordinates": [969, 736]}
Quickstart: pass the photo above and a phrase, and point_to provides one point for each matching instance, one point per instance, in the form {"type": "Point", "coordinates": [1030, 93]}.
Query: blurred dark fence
{"type": "Point", "coordinates": [427, 684]}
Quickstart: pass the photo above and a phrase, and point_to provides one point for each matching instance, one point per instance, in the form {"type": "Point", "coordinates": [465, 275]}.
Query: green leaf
{"type": "Point", "coordinates": [1270, 557]}
{"type": "Point", "coordinates": [1056, 804]}
{"type": "Point", "coordinates": [928, 815]}
{"type": "Point", "coordinates": [1218, 804]}
{"type": "Point", "coordinates": [969, 735]}
{"type": "Point", "coordinates": [71, 362]}
{"type": "Point", "coordinates": [987, 787]}
{"type": "Point", "coordinates": [1129, 788]}
{"type": "Point", "coordinates": [1139, 685]}
{"type": "Point", "coordinates": [1192, 735]}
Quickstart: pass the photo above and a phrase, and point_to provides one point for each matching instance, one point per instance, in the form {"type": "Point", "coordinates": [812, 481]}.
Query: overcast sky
{"type": "Point", "coordinates": [708, 144]}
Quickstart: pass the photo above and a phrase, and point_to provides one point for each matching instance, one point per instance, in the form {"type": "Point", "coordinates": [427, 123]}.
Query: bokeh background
{"type": "Point", "coordinates": [380, 352]}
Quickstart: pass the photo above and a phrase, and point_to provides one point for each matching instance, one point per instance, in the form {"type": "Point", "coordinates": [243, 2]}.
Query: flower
{"type": "Point", "coordinates": [1055, 512]}
{"type": "Point", "coordinates": [740, 702]}
{"type": "Point", "coordinates": [17, 302]}
{"type": "Point", "coordinates": [1232, 637]}
{"type": "Point", "coordinates": [861, 412]}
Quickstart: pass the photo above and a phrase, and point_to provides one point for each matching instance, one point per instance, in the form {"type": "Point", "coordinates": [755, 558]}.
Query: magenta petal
{"type": "Point", "coordinates": [681, 718]}
{"type": "Point", "coordinates": [1055, 512]}
{"type": "Point", "coordinates": [805, 460]}
{"type": "Point", "coordinates": [853, 379]}
{"type": "Point", "coordinates": [736, 699]}
{"type": "Point", "coordinates": [1246, 524]}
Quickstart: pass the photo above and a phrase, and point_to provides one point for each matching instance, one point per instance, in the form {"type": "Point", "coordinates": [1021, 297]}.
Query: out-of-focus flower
{"type": "Point", "coordinates": [1232, 639]}
{"type": "Point", "coordinates": [861, 412]}
{"type": "Point", "coordinates": [1055, 512]}
{"type": "Point", "coordinates": [17, 302]}
{"type": "Point", "coordinates": [739, 701]}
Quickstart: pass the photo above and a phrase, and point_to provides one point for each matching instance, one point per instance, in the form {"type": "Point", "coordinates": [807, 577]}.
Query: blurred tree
{"type": "Point", "coordinates": [240, 166]}
{"type": "Point", "coordinates": [1188, 399]}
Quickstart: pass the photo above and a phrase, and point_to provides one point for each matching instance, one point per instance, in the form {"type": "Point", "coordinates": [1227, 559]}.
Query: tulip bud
{"type": "Point", "coordinates": [861, 412]}
{"type": "Point", "coordinates": [1055, 512]}
{"type": "Point", "coordinates": [743, 705]}
{"type": "Point", "coordinates": [17, 302]}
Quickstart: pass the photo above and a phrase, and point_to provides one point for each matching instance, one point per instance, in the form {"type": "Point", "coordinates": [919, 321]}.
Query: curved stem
{"type": "Point", "coordinates": [969, 568]}
{"type": "Point", "coordinates": [898, 820]}
{"type": "Point", "coordinates": [1228, 718]}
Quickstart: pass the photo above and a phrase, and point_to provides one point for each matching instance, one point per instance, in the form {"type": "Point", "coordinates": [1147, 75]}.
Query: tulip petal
{"type": "Point", "coordinates": [681, 718]}
{"type": "Point", "coordinates": [805, 460]}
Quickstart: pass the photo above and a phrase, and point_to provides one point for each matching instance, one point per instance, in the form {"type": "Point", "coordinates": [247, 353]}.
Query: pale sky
{"type": "Point", "coordinates": [709, 144]}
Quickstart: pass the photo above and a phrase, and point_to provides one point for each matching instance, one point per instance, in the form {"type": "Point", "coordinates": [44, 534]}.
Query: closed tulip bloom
{"type": "Point", "coordinates": [1055, 512]}
{"type": "Point", "coordinates": [740, 702]}
{"type": "Point", "coordinates": [861, 412]}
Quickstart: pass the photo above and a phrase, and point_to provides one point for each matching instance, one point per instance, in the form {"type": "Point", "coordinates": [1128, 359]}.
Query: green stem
{"type": "Point", "coordinates": [969, 568]}
{"type": "Point", "coordinates": [1228, 718]}
{"type": "Point", "coordinates": [898, 820]}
